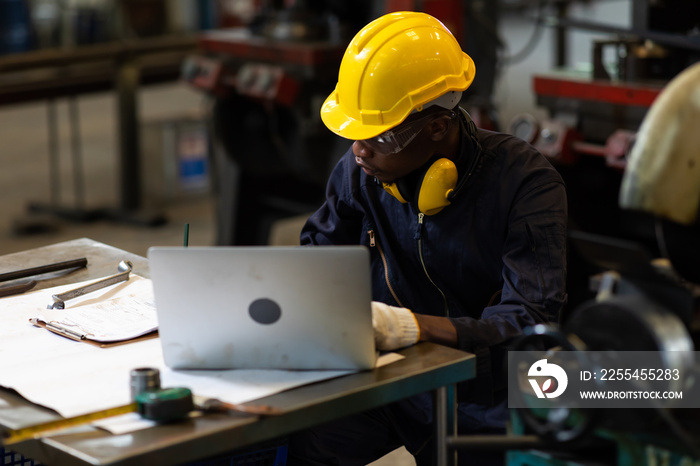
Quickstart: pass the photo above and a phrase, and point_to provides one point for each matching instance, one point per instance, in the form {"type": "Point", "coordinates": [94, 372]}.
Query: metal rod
{"type": "Point", "coordinates": [59, 299]}
{"type": "Point", "coordinates": [127, 81]}
{"type": "Point", "coordinates": [19, 288]}
{"type": "Point", "coordinates": [54, 165]}
{"type": "Point", "coordinates": [561, 42]}
{"type": "Point", "coordinates": [77, 153]}
{"type": "Point", "coordinates": [96, 52]}
{"type": "Point", "coordinates": [441, 427]}
{"type": "Point", "coordinates": [498, 442]}
{"type": "Point", "coordinates": [30, 272]}
{"type": "Point", "coordinates": [675, 40]}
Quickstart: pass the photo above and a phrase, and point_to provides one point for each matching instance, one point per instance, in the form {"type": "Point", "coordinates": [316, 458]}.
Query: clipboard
{"type": "Point", "coordinates": [121, 314]}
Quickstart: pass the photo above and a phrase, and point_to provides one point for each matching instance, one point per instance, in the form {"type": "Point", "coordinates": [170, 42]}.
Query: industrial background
{"type": "Point", "coordinates": [124, 120]}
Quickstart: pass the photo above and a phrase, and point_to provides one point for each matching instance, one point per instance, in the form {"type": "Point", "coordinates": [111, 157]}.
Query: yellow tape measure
{"type": "Point", "coordinates": [37, 430]}
{"type": "Point", "coordinates": [160, 405]}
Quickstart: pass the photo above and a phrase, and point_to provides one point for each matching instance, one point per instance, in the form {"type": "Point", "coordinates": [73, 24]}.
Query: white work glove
{"type": "Point", "coordinates": [394, 327]}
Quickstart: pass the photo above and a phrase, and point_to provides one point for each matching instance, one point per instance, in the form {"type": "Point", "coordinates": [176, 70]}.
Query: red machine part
{"type": "Point", "coordinates": [256, 80]}
{"type": "Point", "coordinates": [235, 60]}
{"type": "Point", "coordinates": [615, 150]}
{"type": "Point", "coordinates": [267, 82]}
{"type": "Point", "coordinates": [562, 143]}
{"type": "Point", "coordinates": [204, 73]}
{"type": "Point", "coordinates": [601, 91]}
{"type": "Point", "coordinates": [555, 140]}
{"type": "Point", "coordinates": [558, 141]}
{"type": "Point", "coordinates": [242, 44]}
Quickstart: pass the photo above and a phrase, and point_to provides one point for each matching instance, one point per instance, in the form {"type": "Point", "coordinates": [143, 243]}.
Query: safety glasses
{"type": "Point", "coordinates": [395, 140]}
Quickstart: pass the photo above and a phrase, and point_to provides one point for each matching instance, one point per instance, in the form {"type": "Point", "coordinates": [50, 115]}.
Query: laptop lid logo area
{"type": "Point", "coordinates": [265, 311]}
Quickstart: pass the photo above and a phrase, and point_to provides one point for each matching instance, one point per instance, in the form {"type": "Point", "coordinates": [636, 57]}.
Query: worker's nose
{"type": "Point", "coordinates": [361, 149]}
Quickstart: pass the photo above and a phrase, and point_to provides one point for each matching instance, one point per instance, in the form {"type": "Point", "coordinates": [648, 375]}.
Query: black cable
{"type": "Point", "coordinates": [534, 39]}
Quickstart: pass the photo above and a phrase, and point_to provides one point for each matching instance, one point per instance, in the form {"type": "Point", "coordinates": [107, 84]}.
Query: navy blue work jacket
{"type": "Point", "coordinates": [493, 261]}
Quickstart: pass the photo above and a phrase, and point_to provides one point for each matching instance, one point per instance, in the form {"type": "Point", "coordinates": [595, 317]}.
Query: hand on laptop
{"type": "Point", "coordinates": [394, 327]}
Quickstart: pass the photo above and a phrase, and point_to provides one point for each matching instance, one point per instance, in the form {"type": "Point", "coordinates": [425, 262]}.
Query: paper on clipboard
{"type": "Point", "coordinates": [125, 312]}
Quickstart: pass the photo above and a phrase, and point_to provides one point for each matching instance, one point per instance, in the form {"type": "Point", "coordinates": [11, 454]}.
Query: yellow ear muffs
{"type": "Point", "coordinates": [438, 184]}
{"type": "Point", "coordinates": [434, 188]}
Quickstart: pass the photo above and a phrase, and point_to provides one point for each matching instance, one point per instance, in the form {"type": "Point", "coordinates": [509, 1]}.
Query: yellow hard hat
{"type": "Point", "coordinates": [396, 64]}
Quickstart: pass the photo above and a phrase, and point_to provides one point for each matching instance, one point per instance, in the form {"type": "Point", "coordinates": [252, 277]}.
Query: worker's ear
{"type": "Point", "coordinates": [439, 127]}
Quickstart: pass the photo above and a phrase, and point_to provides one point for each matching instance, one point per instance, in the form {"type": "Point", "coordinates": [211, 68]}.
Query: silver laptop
{"type": "Point", "coordinates": [268, 307]}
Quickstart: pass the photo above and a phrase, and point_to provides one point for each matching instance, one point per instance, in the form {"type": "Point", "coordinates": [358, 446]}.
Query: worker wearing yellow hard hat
{"type": "Point", "coordinates": [466, 230]}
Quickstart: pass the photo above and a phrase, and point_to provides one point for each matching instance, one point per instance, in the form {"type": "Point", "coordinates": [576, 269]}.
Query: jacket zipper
{"type": "Point", "coordinates": [373, 243]}
{"type": "Point", "coordinates": [421, 216]}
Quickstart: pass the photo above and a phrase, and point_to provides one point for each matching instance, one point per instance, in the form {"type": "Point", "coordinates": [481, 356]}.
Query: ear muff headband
{"type": "Point", "coordinates": [434, 187]}
{"type": "Point", "coordinates": [393, 189]}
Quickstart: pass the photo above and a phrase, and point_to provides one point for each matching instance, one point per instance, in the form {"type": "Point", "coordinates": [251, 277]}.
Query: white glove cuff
{"type": "Point", "coordinates": [408, 326]}
{"type": "Point", "coordinates": [394, 327]}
